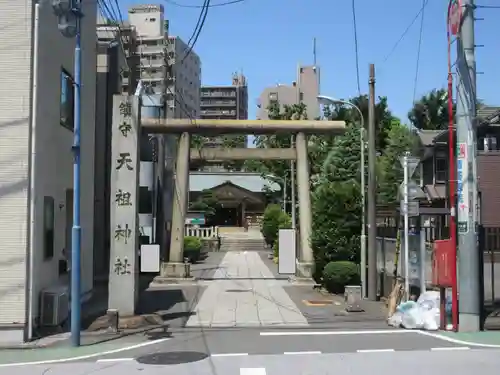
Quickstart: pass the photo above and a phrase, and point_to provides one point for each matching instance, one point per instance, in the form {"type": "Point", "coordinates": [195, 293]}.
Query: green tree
{"type": "Point", "coordinates": [383, 116]}
{"type": "Point", "coordinates": [400, 140]}
{"type": "Point", "coordinates": [207, 203]}
{"type": "Point", "coordinates": [431, 111]}
{"type": "Point", "coordinates": [336, 224]}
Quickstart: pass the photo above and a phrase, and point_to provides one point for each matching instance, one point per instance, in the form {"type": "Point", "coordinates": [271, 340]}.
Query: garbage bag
{"type": "Point", "coordinates": [431, 319]}
{"type": "Point", "coordinates": [428, 300]}
{"type": "Point", "coordinates": [405, 306]}
{"type": "Point", "coordinates": [396, 319]}
{"type": "Point", "coordinates": [413, 318]}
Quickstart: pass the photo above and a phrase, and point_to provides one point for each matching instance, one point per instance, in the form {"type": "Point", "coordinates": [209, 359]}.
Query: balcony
{"type": "Point", "coordinates": [220, 113]}
{"type": "Point", "coordinates": [153, 63]}
{"type": "Point", "coordinates": [151, 50]}
{"type": "Point", "coordinates": [218, 103]}
{"type": "Point", "coordinates": [218, 94]}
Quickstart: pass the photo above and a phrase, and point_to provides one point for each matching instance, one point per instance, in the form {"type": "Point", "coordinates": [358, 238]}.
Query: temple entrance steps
{"type": "Point", "coordinates": [242, 244]}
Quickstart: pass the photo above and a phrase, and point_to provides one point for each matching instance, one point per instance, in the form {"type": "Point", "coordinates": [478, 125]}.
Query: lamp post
{"type": "Point", "coordinates": [283, 180]}
{"type": "Point", "coordinates": [326, 100]}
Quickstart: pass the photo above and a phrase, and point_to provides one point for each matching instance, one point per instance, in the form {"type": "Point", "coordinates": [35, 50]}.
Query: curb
{"type": "Point", "coordinates": [457, 341]}
{"type": "Point", "coordinates": [84, 356]}
{"type": "Point", "coordinates": [58, 343]}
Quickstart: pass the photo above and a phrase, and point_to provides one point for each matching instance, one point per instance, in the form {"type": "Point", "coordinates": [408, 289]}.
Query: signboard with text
{"type": "Point", "coordinates": [462, 189]}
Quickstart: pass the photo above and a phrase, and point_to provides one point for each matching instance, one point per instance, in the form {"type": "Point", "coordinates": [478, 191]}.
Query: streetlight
{"type": "Point", "coordinates": [327, 100]}
{"type": "Point", "coordinates": [283, 180]}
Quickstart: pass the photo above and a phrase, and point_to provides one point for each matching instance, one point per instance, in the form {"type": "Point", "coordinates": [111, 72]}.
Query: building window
{"type": "Point", "coordinates": [441, 169]}
{"type": "Point", "coordinates": [301, 96]}
{"type": "Point", "coordinates": [48, 228]}
{"type": "Point", "coordinates": [273, 96]}
{"type": "Point", "coordinates": [67, 102]}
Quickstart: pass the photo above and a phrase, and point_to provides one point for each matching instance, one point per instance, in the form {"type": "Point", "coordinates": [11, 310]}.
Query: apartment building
{"type": "Point", "coordinates": [185, 83]}
{"type": "Point", "coordinates": [36, 164]}
{"type": "Point", "coordinates": [226, 101]}
{"type": "Point", "coordinates": [304, 89]}
{"type": "Point", "coordinates": [125, 36]}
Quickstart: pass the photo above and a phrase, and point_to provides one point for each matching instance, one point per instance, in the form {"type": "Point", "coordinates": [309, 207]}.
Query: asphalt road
{"type": "Point", "coordinates": [407, 362]}
{"type": "Point", "coordinates": [187, 345]}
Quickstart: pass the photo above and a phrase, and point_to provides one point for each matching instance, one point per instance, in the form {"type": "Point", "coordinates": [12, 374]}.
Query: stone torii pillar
{"type": "Point", "coordinates": [305, 263]}
{"type": "Point", "coordinates": [175, 267]}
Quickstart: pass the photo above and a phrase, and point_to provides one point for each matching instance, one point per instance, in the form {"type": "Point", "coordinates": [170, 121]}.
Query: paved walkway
{"type": "Point", "coordinates": [245, 292]}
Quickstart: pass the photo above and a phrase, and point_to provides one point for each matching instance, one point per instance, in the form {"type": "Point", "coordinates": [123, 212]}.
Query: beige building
{"type": "Point", "coordinates": [162, 67]}
{"type": "Point", "coordinates": [304, 89]}
{"type": "Point", "coordinates": [36, 163]}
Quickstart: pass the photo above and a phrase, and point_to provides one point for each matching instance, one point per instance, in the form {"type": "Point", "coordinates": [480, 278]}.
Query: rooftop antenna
{"type": "Point", "coordinates": [315, 65]}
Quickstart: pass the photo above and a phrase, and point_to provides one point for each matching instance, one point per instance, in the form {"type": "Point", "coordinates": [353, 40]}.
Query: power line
{"type": "Point", "coordinates": [406, 31]}
{"type": "Point", "coordinates": [201, 6]}
{"type": "Point", "coordinates": [201, 22]}
{"type": "Point", "coordinates": [418, 50]}
{"type": "Point", "coordinates": [356, 44]}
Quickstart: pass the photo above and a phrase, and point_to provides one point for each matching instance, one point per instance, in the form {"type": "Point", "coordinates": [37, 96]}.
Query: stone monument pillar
{"type": "Point", "coordinates": [125, 164]}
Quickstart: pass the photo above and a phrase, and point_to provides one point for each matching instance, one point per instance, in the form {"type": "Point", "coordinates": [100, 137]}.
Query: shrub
{"type": "Point", "coordinates": [192, 248]}
{"type": "Point", "coordinates": [273, 219]}
{"type": "Point", "coordinates": [336, 275]}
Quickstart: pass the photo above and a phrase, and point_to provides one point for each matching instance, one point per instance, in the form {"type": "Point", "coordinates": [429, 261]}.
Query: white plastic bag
{"type": "Point", "coordinates": [428, 300]}
{"type": "Point", "coordinates": [413, 319]}
{"type": "Point", "coordinates": [396, 319]}
{"type": "Point", "coordinates": [431, 319]}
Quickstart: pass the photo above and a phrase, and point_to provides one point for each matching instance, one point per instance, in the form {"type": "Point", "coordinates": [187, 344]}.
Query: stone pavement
{"type": "Point", "coordinates": [244, 292]}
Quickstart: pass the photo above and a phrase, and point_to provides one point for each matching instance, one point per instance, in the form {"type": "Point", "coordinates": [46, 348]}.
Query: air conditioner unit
{"type": "Point", "coordinates": [54, 306]}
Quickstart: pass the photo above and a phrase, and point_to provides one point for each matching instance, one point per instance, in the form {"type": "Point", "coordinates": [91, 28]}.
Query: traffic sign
{"type": "Point", "coordinates": [414, 191]}
{"type": "Point", "coordinates": [455, 17]}
{"type": "Point", "coordinates": [412, 164]}
{"type": "Point", "coordinates": [413, 208]}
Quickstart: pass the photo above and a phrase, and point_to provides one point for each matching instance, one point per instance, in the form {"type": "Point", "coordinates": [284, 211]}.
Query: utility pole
{"type": "Point", "coordinates": [69, 15]}
{"type": "Point", "coordinates": [372, 191]}
{"type": "Point", "coordinates": [468, 256]}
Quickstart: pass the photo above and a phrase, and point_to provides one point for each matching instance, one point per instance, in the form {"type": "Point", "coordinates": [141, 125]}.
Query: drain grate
{"type": "Point", "coordinates": [238, 290]}
{"type": "Point", "coordinates": [318, 303]}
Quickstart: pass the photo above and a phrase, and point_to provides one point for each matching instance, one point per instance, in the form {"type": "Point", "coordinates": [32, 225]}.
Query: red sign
{"type": "Point", "coordinates": [455, 17]}
{"type": "Point", "coordinates": [442, 263]}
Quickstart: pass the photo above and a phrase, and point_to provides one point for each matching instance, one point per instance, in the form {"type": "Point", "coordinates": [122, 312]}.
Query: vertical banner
{"type": "Point", "coordinates": [462, 189]}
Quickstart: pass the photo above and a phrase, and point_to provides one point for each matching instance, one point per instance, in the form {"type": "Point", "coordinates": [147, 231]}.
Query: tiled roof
{"type": "Point", "coordinates": [199, 181]}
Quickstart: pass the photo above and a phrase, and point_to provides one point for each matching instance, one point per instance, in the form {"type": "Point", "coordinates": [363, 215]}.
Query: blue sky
{"type": "Point", "coordinates": [266, 39]}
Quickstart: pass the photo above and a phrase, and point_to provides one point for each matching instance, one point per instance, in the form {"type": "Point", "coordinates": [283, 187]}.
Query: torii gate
{"type": "Point", "coordinates": [127, 128]}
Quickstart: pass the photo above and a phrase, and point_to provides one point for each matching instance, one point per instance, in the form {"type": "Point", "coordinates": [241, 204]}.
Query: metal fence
{"type": "Point", "coordinates": [489, 245]}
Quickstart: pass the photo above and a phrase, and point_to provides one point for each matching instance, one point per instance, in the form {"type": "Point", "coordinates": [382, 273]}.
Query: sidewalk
{"type": "Point", "coordinates": [486, 339]}
{"type": "Point", "coordinates": [245, 293]}
{"type": "Point", "coordinates": [20, 357]}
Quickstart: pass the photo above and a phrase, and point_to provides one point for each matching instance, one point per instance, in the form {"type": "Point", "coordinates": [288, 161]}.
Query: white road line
{"type": "Point", "coordinates": [86, 356]}
{"type": "Point", "coordinates": [338, 333]}
{"type": "Point", "coordinates": [115, 360]}
{"type": "Point", "coordinates": [443, 349]}
{"type": "Point", "coordinates": [375, 350]}
{"type": "Point", "coordinates": [456, 341]}
{"type": "Point", "coordinates": [309, 352]}
{"type": "Point", "coordinates": [228, 354]}
{"type": "Point", "coordinates": [253, 371]}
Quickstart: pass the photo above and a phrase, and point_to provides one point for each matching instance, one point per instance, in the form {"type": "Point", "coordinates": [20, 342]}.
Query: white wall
{"type": "Point", "coordinates": [53, 170]}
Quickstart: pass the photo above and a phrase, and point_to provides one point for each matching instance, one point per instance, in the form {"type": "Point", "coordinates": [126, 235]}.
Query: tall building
{"type": "Point", "coordinates": [304, 90]}
{"type": "Point", "coordinates": [183, 94]}
{"type": "Point", "coordinates": [152, 40]}
{"type": "Point", "coordinates": [225, 102]}
{"type": "Point", "coordinates": [126, 35]}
